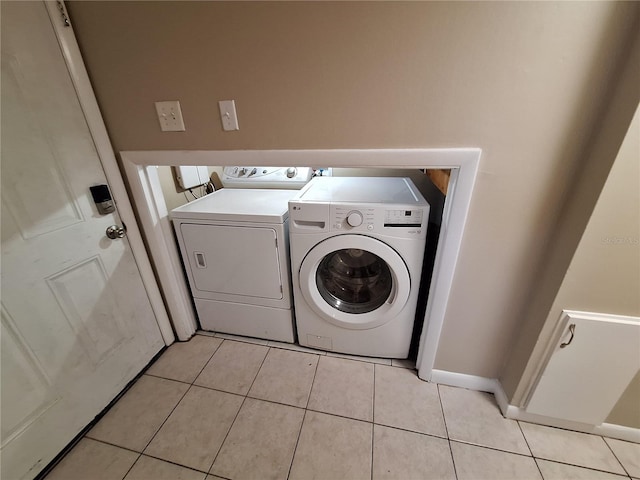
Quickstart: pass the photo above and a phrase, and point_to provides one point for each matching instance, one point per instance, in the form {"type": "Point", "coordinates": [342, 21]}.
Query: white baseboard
{"type": "Point", "coordinates": [493, 385]}
{"type": "Point", "coordinates": [618, 431]}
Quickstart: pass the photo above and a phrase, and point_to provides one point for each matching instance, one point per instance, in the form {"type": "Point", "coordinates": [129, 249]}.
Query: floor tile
{"type": "Point", "coordinates": [332, 448]}
{"type": "Point", "coordinates": [474, 417]}
{"type": "Point", "coordinates": [233, 367]}
{"type": "Point", "coordinates": [562, 471]}
{"type": "Point", "coordinates": [95, 460]}
{"type": "Point", "coordinates": [137, 416]}
{"type": "Point", "coordinates": [475, 463]}
{"type": "Point", "coordinates": [194, 432]}
{"type": "Point", "coordinates": [183, 361]}
{"type": "Point", "coordinates": [285, 377]}
{"type": "Point", "coordinates": [398, 454]}
{"type": "Point", "coordinates": [628, 453]}
{"type": "Point", "coordinates": [575, 448]}
{"type": "Point", "coordinates": [261, 442]}
{"type": "Point", "coordinates": [147, 468]}
{"type": "Point", "coordinates": [380, 361]}
{"type": "Point", "coordinates": [343, 387]}
{"type": "Point", "coordinates": [403, 400]}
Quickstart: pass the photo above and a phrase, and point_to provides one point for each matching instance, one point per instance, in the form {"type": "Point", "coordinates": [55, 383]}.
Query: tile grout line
{"type": "Point", "coordinates": [583, 467]}
{"type": "Point", "coordinates": [295, 448]}
{"type": "Point", "coordinates": [535, 460]}
{"type": "Point", "coordinates": [446, 429]}
{"type": "Point", "coordinates": [373, 417]}
{"type": "Point", "coordinates": [616, 456]}
{"type": "Point", "coordinates": [167, 417]}
{"type": "Point", "coordinates": [573, 464]}
{"type": "Point", "coordinates": [225, 437]}
{"type": "Point", "coordinates": [238, 412]}
{"type": "Point", "coordinates": [179, 401]}
{"type": "Point", "coordinates": [313, 381]}
{"type": "Point", "coordinates": [304, 416]}
{"type": "Point", "coordinates": [525, 439]}
{"type": "Point", "coordinates": [495, 449]}
{"type": "Point", "coordinates": [173, 463]}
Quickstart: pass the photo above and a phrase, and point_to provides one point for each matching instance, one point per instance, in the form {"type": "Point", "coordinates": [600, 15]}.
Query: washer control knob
{"type": "Point", "coordinates": [354, 219]}
{"type": "Point", "coordinates": [291, 172]}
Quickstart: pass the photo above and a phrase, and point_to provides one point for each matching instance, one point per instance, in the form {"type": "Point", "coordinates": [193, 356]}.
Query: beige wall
{"type": "Point", "coordinates": [524, 81]}
{"type": "Point", "coordinates": [604, 275]}
{"type": "Point", "coordinates": [626, 412]}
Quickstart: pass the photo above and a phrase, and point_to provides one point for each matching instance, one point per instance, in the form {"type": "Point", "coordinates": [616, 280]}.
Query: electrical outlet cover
{"type": "Point", "coordinates": [170, 116]}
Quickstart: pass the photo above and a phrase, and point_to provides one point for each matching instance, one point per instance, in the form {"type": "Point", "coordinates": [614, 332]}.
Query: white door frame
{"type": "Point", "coordinates": [147, 195]}
{"type": "Point", "coordinates": [80, 79]}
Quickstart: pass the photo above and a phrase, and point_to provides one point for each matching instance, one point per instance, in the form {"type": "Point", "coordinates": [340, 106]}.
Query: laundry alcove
{"type": "Point", "coordinates": [142, 176]}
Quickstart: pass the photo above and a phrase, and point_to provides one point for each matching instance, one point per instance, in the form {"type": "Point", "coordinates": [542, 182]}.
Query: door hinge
{"type": "Point", "coordinates": [63, 14]}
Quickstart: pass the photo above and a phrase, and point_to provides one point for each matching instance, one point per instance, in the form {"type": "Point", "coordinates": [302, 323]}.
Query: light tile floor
{"type": "Point", "coordinates": [227, 407]}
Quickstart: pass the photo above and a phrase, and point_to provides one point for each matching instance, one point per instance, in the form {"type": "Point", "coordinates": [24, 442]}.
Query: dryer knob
{"type": "Point", "coordinates": [354, 219]}
{"type": "Point", "coordinates": [291, 172]}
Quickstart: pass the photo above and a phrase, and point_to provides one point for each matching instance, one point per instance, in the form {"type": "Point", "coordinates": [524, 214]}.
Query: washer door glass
{"type": "Point", "coordinates": [353, 280]}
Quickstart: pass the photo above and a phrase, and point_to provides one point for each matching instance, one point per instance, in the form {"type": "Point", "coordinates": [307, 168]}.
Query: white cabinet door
{"type": "Point", "coordinates": [584, 379]}
{"type": "Point", "coordinates": [76, 322]}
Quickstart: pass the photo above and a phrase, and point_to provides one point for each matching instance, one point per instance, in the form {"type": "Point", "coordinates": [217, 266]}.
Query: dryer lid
{"type": "Point", "coordinates": [239, 205]}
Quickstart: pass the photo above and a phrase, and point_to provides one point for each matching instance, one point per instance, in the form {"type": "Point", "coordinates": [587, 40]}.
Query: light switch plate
{"type": "Point", "coordinates": [228, 115]}
{"type": "Point", "coordinates": [170, 116]}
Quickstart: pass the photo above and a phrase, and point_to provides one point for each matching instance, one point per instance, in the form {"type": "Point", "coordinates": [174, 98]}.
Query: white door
{"type": "Point", "coordinates": [76, 321]}
{"type": "Point", "coordinates": [355, 281]}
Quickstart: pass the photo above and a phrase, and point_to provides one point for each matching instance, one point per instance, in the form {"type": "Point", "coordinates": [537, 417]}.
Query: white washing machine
{"type": "Point", "coordinates": [357, 246]}
{"type": "Point", "coordinates": [234, 245]}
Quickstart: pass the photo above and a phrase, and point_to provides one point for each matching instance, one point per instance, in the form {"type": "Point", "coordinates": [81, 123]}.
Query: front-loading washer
{"type": "Point", "coordinates": [357, 246]}
{"type": "Point", "coordinates": [235, 249]}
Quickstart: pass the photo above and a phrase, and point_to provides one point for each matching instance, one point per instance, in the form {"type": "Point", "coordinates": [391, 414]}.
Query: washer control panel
{"type": "Point", "coordinates": [360, 218]}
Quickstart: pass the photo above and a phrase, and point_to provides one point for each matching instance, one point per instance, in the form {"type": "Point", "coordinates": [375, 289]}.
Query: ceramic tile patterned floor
{"type": "Point", "coordinates": [218, 407]}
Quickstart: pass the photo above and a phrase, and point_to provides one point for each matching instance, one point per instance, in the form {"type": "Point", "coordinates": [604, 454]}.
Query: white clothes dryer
{"type": "Point", "coordinates": [357, 246]}
{"type": "Point", "coordinates": [234, 245]}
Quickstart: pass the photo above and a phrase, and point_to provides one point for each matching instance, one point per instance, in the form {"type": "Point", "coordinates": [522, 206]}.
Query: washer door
{"type": "Point", "coordinates": [354, 281]}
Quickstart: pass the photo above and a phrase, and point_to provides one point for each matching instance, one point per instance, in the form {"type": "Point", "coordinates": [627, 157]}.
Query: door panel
{"type": "Point", "coordinates": [77, 324]}
{"type": "Point", "coordinates": [246, 260]}
{"type": "Point", "coordinates": [591, 365]}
